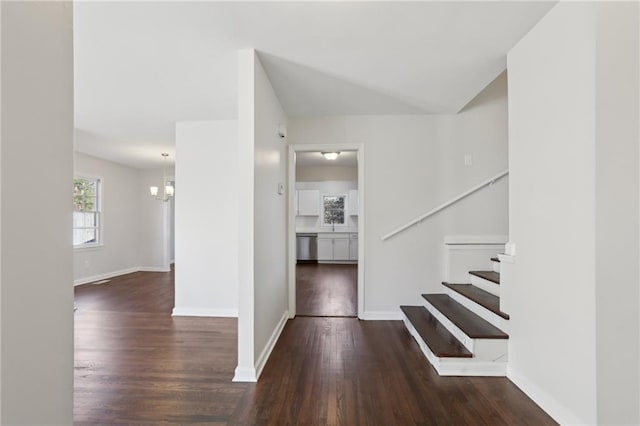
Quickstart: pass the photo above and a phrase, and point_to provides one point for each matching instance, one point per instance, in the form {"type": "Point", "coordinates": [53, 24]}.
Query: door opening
{"type": "Point", "coordinates": [325, 231]}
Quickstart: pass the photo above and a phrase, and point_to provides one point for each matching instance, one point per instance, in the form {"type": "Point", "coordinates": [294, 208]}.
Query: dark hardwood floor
{"type": "Point", "coordinates": [137, 365]}
{"type": "Point", "coordinates": [326, 290]}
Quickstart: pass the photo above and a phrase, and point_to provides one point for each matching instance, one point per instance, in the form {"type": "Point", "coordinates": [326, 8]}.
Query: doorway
{"type": "Point", "coordinates": [326, 230]}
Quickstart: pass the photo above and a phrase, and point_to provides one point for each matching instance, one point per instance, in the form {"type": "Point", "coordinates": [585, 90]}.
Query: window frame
{"type": "Point", "coordinates": [99, 214]}
{"type": "Point", "coordinates": [344, 210]}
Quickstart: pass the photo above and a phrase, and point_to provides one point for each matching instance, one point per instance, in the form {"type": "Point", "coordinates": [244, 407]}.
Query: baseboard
{"type": "Point", "coordinates": [245, 374]}
{"type": "Point", "coordinates": [204, 312]}
{"type": "Point", "coordinates": [153, 269]}
{"type": "Point", "coordinates": [381, 316]}
{"type": "Point", "coordinates": [548, 403]}
{"type": "Point", "coordinates": [99, 277]}
{"type": "Point", "coordinates": [271, 343]}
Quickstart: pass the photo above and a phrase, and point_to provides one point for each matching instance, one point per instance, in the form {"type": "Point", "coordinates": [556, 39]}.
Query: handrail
{"type": "Point", "coordinates": [419, 219]}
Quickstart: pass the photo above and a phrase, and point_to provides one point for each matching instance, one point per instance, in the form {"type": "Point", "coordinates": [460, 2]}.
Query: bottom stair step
{"type": "Point", "coordinates": [434, 334]}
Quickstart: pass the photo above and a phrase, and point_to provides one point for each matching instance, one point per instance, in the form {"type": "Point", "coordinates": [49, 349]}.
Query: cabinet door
{"type": "Point", "coordinates": [340, 249]}
{"type": "Point", "coordinates": [325, 249]}
{"type": "Point", "coordinates": [308, 202]}
{"type": "Point", "coordinates": [353, 248]}
{"type": "Point", "coordinates": [353, 202]}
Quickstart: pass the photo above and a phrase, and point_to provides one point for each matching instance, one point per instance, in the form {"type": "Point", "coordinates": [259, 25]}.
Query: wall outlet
{"type": "Point", "coordinates": [468, 160]}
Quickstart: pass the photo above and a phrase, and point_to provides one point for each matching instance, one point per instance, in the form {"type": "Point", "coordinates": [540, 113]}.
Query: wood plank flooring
{"type": "Point", "coordinates": [326, 290]}
{"type": "Point", "coordinates": [137, 365]}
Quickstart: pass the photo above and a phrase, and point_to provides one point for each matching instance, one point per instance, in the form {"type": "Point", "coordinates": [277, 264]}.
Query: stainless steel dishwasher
{"type": "Point", "coordinates": [307, 248]}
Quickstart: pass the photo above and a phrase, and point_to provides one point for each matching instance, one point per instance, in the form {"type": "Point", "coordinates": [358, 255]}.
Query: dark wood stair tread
{"type": "Point", "coordinates": [442, 343]}
{"type": "Point", "coordinates": [495, 259]}
{"type": "Point", "coordinates": [487, 275]}
{"type": "Point", "coordinates": [471, 324]}
{"type": "Point", "coordinates": [481, 297]}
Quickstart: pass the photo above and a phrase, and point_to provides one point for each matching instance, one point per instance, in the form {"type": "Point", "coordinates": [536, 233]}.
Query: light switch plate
{"type": "Point", "coordinates": [468, 160]}
{"type": "Point", "coordinates": [280, 188]}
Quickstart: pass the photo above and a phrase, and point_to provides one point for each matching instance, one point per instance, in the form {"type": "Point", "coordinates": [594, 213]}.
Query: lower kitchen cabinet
{"type": "Point", "coordinates": [336, 246]}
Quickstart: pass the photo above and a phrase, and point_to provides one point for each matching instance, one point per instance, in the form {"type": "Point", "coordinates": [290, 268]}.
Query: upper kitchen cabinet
{"type": "Point", "coordinates": [353, 202]}
{"type": "Point", "coordinates": [308, 202]}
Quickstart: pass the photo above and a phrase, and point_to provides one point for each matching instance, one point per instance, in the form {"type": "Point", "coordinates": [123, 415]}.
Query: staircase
{"type": "Point", "coordinates": [460, 331]}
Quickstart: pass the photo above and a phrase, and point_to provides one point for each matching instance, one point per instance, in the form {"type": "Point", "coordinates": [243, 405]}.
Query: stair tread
{"type": "Point", "coordinates": [495, 259]}
{"type": "Point", "coordinates": [487, 275]}
{"type": "Point", "coordinates": [479, 296]}
{"type": "Point", "coordinates": [471, 324]}
{"type": "Point", "coordinates": [439, 340]}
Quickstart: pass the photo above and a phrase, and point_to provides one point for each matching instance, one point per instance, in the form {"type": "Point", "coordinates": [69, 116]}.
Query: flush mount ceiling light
{"type": "Point", "coordinates": [330, 155]}
{"type": "Point", "coordinates": [169, 190]}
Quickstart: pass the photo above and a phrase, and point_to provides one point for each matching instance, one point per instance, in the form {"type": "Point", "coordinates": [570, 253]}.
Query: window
{"type": "Point", "coordinates": [333, 206]}
{"type": "Point", "coordinates": [86, 212]}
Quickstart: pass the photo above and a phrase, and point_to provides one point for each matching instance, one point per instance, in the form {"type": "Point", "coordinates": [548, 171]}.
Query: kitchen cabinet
{"type": "Point", "coordinates": [333, 246]}
{"type": "Point", "coordinates": [341, 248]}
{"type": "Point", "coordinates": [353, 247]}
{"type": "Point", "coordinates": [325, 248]}
{"type": "Point", "coordinates": [353, 202]}
{"type": "Point", "coordinates": [308, 202]}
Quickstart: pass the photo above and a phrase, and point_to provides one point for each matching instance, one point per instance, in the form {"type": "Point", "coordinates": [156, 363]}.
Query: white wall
{"type": "Point", "coordinates": [270, 220]}
{"type": "Point", "coordinates": [246, 371]}
{"type": "Point", "coordinates": [413, 164]}
{"type": "Point", "coordinates": [573, 153]}
{"type": "Point", "coordinates": [206, 219]}
{"type": "Point", "coordinates": [314, 223]}
{"type": "Point", "coordinates": [617, 214]}
{"type": "Point", "coordinates": [154, 226]}
{"type": "Point", "coordinates": [262, 219]}
{"type": "Point", "coordinates": [37, 171]}
{"type": "Point", "coordinates": [120, 206]}
{"type": "Point", "coordinates": [322, 173]}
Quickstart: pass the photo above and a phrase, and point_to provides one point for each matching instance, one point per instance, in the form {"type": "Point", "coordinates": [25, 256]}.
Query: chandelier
{"type": "Point", "coordinates": [169, 190]}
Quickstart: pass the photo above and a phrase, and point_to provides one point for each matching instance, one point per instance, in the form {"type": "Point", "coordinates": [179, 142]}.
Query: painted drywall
{"type": "Point", "coordinates": [246, 371]}
{"type": "Point", "coordinates": [415, 163]}
{"type": "Point", "coordinates": [323, 173]}
{"type": "Point", "coordinates": [552, 286]}
{"type": "Point", "coordinates": [206, 219]}
{"type": "Point", "coordinates": [617, 214]}
{"type": "Point", "coordinates": [154, 222]}
{"type": "Point", "coordinates": [37, 175]}
{"type": "Point", "coordinates": [314, 223]}
{"type": "Point", "coordinates": [120, 220]}
{"type": "Point", "coordinates": [270, 210]}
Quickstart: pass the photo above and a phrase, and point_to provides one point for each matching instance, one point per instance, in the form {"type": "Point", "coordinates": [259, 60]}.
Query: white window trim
{"type": "Point", "coordinates": [99, 199]}
{"type": "Point", "coordinates": [346, 214]}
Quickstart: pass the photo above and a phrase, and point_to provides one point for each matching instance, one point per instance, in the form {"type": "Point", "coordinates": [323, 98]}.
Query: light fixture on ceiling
{"type": "Point", "coordinates": [330, 155]}
{"type": "Point", "coordinates": [169, 190]}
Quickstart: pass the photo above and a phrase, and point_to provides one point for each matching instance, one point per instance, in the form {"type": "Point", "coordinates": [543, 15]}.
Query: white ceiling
{"type": "Point", "coordinates": [142, 66]}
{"type": "Point", "coordinates": [314, 159]}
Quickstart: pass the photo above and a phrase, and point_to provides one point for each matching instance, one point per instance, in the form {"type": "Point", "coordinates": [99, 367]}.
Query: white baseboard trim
{"type": "Point", "coordinates": [548, 403]}
{"type": "Point", "coordinates": [203, 312]}
{"type": "Point", "coordinates": [271, 343]}
{"type": "Point", "coordinates": [245, 374]}
{"type": "Point", "coordinates": [153, 269]}
{"type": "Point", "coordinates": [381, 315]}
{"type": "Point", "coordinates": [104, 276]}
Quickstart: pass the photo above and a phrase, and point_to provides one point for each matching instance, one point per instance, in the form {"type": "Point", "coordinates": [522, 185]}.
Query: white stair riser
{"type": "Point", "coordinates": [482, 312]}
{"type": "Point", "coordinates": [481, 350]}
{"type": "Point", "coordinates": [451, 327]}
{"type": "Point", "coordinates": [496, 267]}
{"type": "Point", "coordinates": [458, 366]}
{"type": "Point", "coordinates": [485, 285]}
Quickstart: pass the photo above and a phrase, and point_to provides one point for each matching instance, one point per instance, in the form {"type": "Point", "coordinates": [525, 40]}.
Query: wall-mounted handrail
{"type": "Point", "coordinates": [465, 194]}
